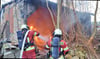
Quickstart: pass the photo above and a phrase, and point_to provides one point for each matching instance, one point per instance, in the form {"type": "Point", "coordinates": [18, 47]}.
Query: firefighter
{"type": "Point", "coordinates": [56, 46]}
{"type": "Point", "coordinates": [29, 48]}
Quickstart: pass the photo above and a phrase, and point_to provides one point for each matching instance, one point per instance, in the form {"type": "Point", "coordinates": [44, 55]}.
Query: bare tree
{"type": "Point", "coordinates": [81, 39]}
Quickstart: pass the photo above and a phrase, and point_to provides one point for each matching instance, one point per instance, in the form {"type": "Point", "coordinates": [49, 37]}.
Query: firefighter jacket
{"type": "Point", "coordinates": [63, 46]}
{"type": "Point", "coordinates": [29, 52]}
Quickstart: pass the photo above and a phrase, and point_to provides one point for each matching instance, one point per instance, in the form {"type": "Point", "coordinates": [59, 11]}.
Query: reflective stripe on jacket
{"type": "Point", "coordinates": [63, 46]}
{"type": "Point", "coordinates": [30, 39]}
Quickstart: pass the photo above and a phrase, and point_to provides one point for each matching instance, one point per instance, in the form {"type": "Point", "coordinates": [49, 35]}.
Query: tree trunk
{"type": "Point", "coordinates": [94, 32]}
{"type": "Point", "coordinates": [59, 13]}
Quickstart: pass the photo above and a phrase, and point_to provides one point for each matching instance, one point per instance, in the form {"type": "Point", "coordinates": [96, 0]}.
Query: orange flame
{"type": "Point", "coordinates": [32, 28]}
{"type": "Point", "coordinates": [39, 43]}
{"type": "Point", "coordinates": [42, 24]}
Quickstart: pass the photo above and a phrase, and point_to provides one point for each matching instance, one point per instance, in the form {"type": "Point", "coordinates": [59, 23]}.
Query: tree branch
{"type": "Point", "coordinates": [51, 14]}
{"type": "Point", "coordinates": [94, 32]}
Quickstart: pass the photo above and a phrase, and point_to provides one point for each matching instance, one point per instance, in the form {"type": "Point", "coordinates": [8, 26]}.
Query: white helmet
{"type": "Point", "coordinates": [24, 26]}
{"type": "Point", "coordinates": [57, 32]}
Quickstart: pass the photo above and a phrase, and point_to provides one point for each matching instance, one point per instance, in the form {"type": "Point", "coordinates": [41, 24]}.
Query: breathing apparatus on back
{"type": "Point", "coordinates": [56, 43]}
{"type": "Point", "coordinates": [21, 34]}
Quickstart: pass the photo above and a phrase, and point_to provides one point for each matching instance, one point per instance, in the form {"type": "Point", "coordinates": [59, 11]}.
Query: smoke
{"type": "Point", "coordinates": [43, 37]}
{"type": "Point", "coordinates": [41, 19]}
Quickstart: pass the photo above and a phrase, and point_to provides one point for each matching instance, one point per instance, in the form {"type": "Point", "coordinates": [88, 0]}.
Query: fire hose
{"type": "Point", "coordinates": [21, 53]}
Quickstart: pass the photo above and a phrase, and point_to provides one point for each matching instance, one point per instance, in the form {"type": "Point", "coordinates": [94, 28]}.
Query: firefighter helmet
{"type": "Point", "coordinates": [57, 32]}
{"type": "Point", "coordinates": [24, 26]}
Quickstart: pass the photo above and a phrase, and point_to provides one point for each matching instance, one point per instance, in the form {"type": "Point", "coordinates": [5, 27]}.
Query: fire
{"type": "Point", "coordinates": [39, 42]}
{"type": "Point", "coordinates": [32, 28]}
{"type": "Point", "coordinates": [43, 24]}
{"type": "Point", "coordinates": [39, 22]}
